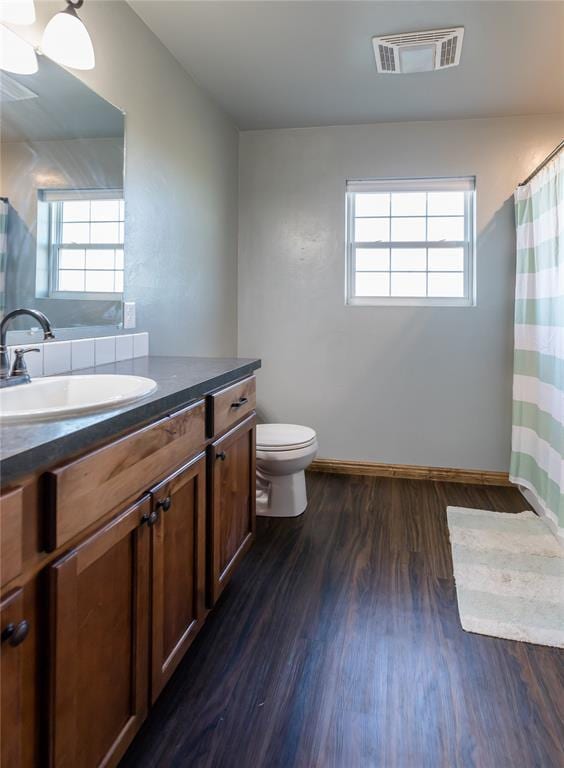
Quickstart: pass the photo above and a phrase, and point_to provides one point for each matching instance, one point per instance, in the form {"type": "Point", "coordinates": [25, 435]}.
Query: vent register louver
{"type": "Point", "coordinates": [418, 51]}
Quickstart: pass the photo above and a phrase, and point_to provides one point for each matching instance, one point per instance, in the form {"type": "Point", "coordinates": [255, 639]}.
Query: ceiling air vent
{"type": "Point", "coordinates": [11, 90]}
{"type": "Point", "coordinates": [418, 51]}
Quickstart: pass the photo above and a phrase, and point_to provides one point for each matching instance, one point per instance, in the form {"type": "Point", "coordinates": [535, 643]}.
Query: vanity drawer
{"type": "Point", "coordinates": [229, 405]}
{"type": "Point", "coordinates": [85, 490]}
{"type": "Point", "coordinates": [11, 512]}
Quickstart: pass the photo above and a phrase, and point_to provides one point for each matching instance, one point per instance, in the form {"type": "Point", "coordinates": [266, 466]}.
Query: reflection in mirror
{"type": "Point", "coordinates": [62, 206]}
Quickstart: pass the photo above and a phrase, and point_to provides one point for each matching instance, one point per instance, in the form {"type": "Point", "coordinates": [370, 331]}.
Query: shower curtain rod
{"type": "Point", "coordinates": [546, 160]}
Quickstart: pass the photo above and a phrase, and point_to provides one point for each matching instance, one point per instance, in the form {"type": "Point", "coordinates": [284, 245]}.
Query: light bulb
{"type": "Point", "coordinates": [66, 41]}
{"type": "Point", "coordinates": [16, 55]}
{"type": "Point", "coordinates": [17, 11]}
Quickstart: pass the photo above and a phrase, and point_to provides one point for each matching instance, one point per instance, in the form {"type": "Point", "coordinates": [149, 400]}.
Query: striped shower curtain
{"type": "Point", "coordinates": [537, 456]}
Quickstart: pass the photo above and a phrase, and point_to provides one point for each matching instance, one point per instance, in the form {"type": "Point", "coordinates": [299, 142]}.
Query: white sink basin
{"type": "Point", "coordinates": [58, 397]}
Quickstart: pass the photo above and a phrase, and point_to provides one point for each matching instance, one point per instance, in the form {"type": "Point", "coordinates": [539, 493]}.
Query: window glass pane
{"type": "Point", "coordinates": [76, 233]}
{"type": "Point", "coordinates": [446, 259]}
{"type": "Point", "coordinates": [445, 203]}
{"type": "Point", "coordinates": [119, 258]}
{"type": "Point", "coordinates": [100, 259]}
{"type": "Point", "coordinates": [372, 284]}
{"type": "Point", "coordinates": [409, 284]}
{"type": "Point", "coordinates": [71, 280]}
{"type": "Point", "coordinates": [372, 259]}
{"type": "Point", "coordinates": [372, 230]}
{"type": "Point", "coordinates": [70, 258]}
{"type": "Point", "coordinates": [409, 203]}
{"type": "Point", "coordinates": [105, 210]}
{"type": "Point", "coordinates": [451, 228]}
{"type": "Point", "coordinates": [76, 210]}
{"type": "Point", "coordinates": [119, 282]}
{"type": "Point", "coordinates": [372, 204]}
{"type": "Point", "coordinates": [413, 259]}
{"type": "Point", "coordinates": [408, 229]}
{"type": "Point", "coordinates": [103, 232]}
{"type": "Point", "coordinates": [446, 284]}
{"type": "Point", "coordinates": [410, 226]}
{"type": "Point", "coordinates": [100, 281]}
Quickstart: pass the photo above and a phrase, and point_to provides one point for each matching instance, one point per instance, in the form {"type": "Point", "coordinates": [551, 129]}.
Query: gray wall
{"type": "Point", "coordinates": [180, 184]}
{"type": "Point", "coordinates": [410, 385]}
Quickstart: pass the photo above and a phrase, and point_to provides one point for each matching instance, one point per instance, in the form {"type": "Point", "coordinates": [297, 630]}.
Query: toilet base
{"type": "Point", "coordinates": [281, 495]}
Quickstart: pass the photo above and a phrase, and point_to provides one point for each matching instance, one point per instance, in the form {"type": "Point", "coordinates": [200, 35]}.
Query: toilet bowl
{"type": "Point", "coordinates": [284, 451]}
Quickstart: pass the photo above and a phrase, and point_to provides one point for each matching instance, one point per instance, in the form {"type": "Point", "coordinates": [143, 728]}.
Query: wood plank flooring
{"type": "Point", "coordinates": [338, 645]}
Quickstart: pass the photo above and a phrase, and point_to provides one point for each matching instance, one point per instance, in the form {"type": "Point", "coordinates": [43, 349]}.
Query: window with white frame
{"type": "Point", "coordinates": [410, 241]}
{"type": "Point", "coordinates": [86, 236]}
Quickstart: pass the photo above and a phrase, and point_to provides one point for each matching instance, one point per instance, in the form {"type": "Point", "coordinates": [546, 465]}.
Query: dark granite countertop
{"type": "Point", "coordinates": [26, 448]}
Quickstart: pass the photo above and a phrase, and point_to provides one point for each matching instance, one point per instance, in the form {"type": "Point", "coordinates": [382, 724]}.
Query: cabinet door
{"type": "Point", "coordinates": [11, 516]}
{"type": "Point", "coordinates": [14, 630]}
{"type": "Point", "coordinates": [232, 510]}
{"type": "Point", "coordinates": [178, 567]}
{"type": "Point", "coordinates": [99, 643]}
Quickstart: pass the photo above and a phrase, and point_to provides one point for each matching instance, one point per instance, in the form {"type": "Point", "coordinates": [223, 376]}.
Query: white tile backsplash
{"type": "Point", "coordinates": [82, 353]}
{"type": "Point", "coordinates": [124, 347]}
{"type": "Point", "coordinates": [140, 344]}
{"type": "Point", "coordinates": [56, 357]}
{"type": "Point", "coordinates": [61, 356]}
{"type": "Point", "coordinates": [105, 350]}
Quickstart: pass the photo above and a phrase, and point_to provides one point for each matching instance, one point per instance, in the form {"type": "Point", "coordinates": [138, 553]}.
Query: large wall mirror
{"type": "Point", "coordinates": [62, 205]}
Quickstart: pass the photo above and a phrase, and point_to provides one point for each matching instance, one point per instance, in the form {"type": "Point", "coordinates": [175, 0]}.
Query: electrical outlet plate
{"type": "Point", "coordinates": [128, 314]}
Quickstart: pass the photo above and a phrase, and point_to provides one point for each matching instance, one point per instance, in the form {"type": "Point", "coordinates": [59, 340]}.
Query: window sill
{"type": "Point", "coordinates": [367, 301]}
{"type": "Point", "coordinates": [85, 296]}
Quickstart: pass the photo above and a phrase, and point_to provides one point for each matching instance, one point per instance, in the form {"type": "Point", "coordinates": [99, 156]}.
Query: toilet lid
{"type": "Point", "coordinates": [282, 437]}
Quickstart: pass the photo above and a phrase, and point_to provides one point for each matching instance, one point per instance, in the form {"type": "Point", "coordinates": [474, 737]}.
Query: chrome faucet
{"type": "Point", "coordinates": [18, 374]}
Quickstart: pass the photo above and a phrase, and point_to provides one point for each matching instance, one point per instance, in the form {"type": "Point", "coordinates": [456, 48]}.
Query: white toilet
{"type": "Point", "coordinates": [284, 451]}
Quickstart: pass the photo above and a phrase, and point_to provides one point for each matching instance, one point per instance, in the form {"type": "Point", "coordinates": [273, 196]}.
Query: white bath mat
{"type": "Point", "coordinates": [509, 573]}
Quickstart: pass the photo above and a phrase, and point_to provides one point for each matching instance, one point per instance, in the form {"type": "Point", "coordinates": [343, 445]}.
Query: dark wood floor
{"type": "Point", "coordinates": [338, 645]}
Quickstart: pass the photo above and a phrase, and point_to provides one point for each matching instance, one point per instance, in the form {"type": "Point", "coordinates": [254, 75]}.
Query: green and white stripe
{"type": "Point", "coordinates": [509, 573]}
{"type": "Point", "coordinates": [537, 442]}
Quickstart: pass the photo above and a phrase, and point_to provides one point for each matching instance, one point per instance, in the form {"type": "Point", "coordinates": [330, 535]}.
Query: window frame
{"type": "Point", "coordinates": [55, 197]}
{"type": "Point", "coordinates": [466, 184]}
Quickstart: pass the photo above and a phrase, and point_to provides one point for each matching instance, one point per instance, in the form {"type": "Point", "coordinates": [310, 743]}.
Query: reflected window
{"type": "Point", "coordinates": [86, 239]}
{"type": "Point", "coordinates": [410, 241]}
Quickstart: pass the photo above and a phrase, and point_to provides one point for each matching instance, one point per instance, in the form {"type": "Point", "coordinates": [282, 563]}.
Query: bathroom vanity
{"type": "Point", "coordinates": [119, 531]}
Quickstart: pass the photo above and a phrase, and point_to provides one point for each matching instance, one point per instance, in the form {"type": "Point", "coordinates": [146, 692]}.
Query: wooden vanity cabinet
{"type": "Point", "coordinates": [125, 606]}
{"type": "Point", "coordinates": [14, 628]}
{"type": "Point", "coordinates": [100, 643]}
{"type": "Point", "coordinates": [231, 503]}
{"type": "Point", "coordinates": [177, 568]}
{"type": "Point", "coordinates": [110, 564]}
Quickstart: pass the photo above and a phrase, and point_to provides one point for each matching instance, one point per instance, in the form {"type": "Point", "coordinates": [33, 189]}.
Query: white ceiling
{"type": "Point", "coordinates": [284, 64]}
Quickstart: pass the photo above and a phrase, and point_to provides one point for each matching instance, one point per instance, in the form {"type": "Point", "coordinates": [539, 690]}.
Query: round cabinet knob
{"type": "Point", "coordinates": [16, 633]}
{"type": "Point", "coordinates": [151, 518]}
{"type": "Point", "coordinates": [165, 504]}
{"type": "Point", "coordinates": [221, 455]}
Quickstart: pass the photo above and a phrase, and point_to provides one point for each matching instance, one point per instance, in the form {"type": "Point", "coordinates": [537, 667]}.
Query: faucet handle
{"type": "Point", "coordinates": [19, 368]}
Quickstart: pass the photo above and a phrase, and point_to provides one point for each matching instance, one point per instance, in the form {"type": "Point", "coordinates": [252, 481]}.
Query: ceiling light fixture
{"type": "Point", "coordinates": [66, 39]}
{"type": "Point", "coordinates": [19, 12]}
{"type": "Point", "coordinates": [16, 55]}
